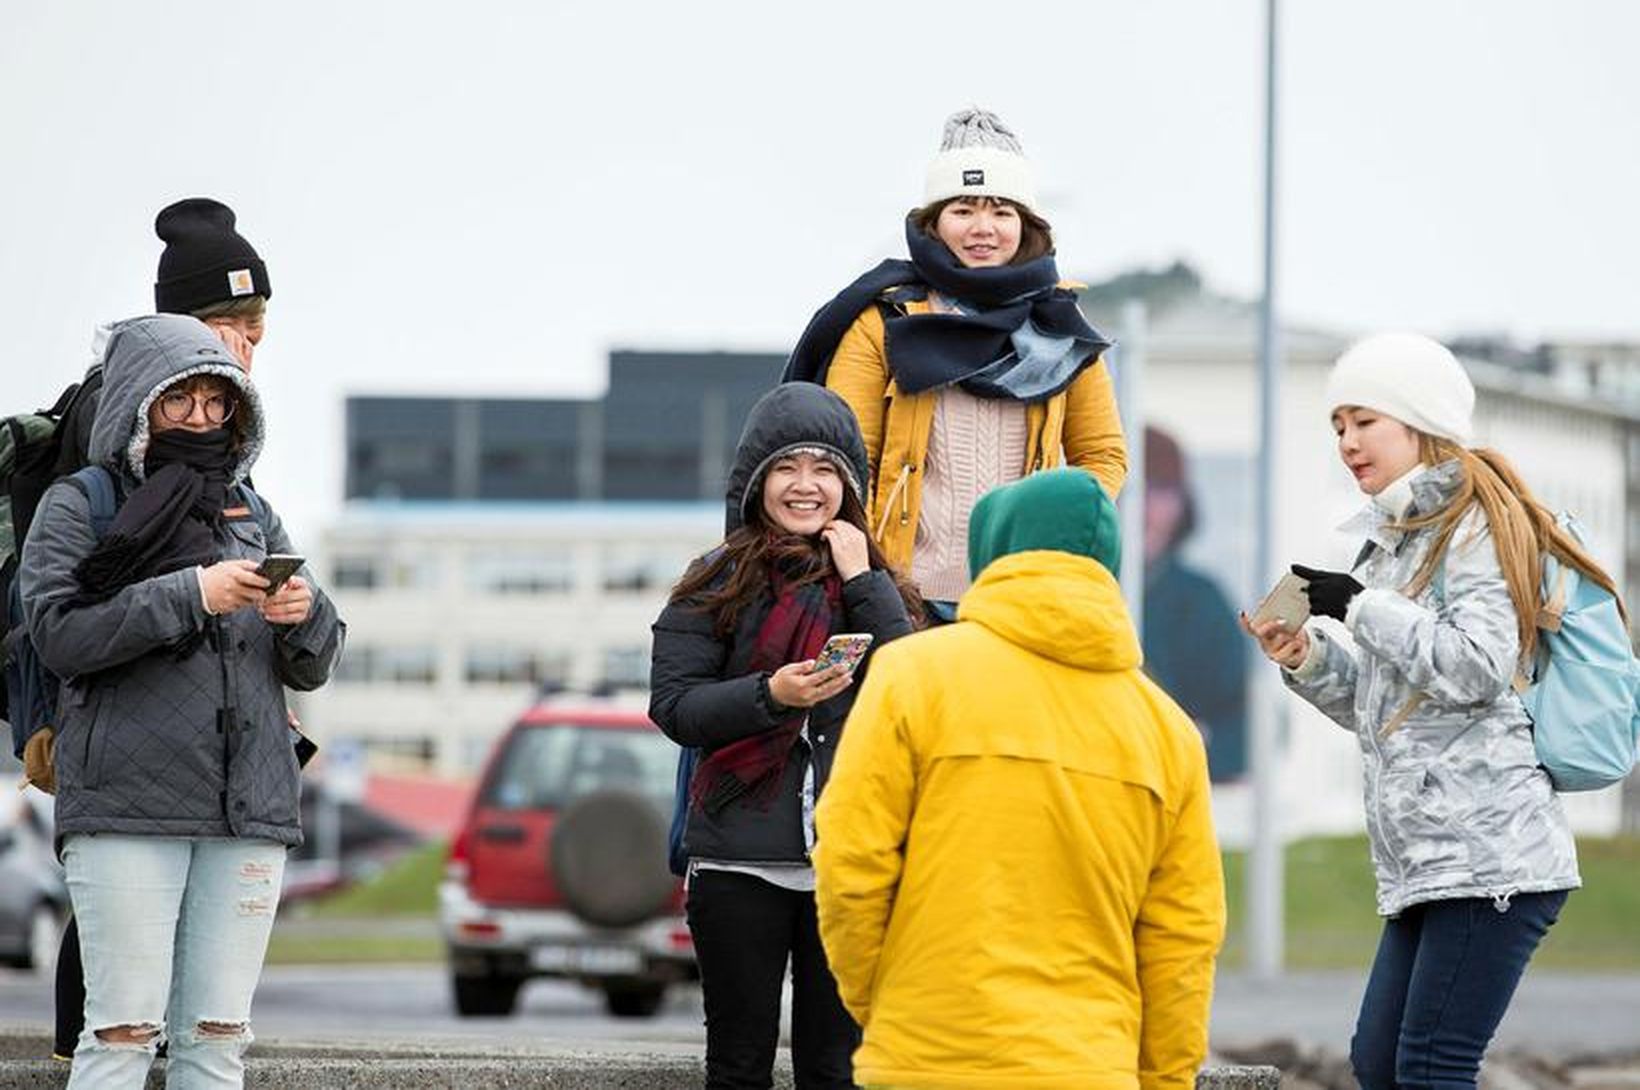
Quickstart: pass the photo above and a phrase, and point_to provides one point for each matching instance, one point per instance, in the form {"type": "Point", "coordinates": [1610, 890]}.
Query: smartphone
{"type": "Point", "coordinates": [1286, 603]}
{"type": "Point", "coordinates": [845, 648]}
{"type": "Point", "coordinates": [278, 567]}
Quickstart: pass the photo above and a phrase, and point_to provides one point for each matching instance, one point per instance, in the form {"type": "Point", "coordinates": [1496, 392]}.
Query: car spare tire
{"type": "Point", "coordinates": [609, 859]}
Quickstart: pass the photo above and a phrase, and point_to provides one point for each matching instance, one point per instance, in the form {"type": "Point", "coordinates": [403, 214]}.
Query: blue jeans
{"type": "Point", "coordinates": [1444, 975]}
{"type": "Point", "coordinates": [172, 932]}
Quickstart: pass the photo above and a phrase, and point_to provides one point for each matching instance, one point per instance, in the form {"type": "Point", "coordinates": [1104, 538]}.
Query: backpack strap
{"type": "Point", "coordinates": [1398, 720]}
{"type": "Point", "coordinates": [258, 507]}
{"type": "Point", "coordinates": [101, 492]}
{"type": "Point", "coordinates": [65, 399]}
{"type": "Point", "coordinates": [1553, 608]}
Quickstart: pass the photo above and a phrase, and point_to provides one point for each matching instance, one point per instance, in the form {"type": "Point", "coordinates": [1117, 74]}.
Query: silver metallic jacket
{"type": "Point", "coordinates": [1456, 805]}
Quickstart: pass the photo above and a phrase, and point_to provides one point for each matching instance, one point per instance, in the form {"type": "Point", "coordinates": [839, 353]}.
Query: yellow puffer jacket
{"type": "Point", "coordinates": [1078, 426]}
{"type": "Point", "coordinates": [1018, 880]}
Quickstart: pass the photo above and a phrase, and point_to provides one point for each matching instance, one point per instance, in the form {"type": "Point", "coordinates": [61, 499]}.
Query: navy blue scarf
{"type": "Point", "coordinates": [1017, 335]}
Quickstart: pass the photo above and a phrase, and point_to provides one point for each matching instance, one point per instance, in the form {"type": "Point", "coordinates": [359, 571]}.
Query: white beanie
{"type": "Point", "coordinates": [980, 157]}
{"type": "Point", "coordinates": [1407, 376]}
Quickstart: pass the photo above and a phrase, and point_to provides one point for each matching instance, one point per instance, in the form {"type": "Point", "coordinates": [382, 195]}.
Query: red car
{"type": "Point", "coordinates": [560, 868]}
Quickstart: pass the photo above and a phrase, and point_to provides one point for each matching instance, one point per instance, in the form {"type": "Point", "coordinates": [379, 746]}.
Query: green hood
{"type": "Point", "coordinates": [1064, 510]}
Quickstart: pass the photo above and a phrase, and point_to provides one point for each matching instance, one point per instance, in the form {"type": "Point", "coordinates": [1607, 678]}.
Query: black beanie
{"type": "Point", "coordinates": [205, 260]}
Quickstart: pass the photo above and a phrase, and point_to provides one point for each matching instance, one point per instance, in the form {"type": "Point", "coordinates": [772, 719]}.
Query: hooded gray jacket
{"type": "Point", "coordinates": [1456, 804]}
{"type": "Point", "coordinates": [147, 744]}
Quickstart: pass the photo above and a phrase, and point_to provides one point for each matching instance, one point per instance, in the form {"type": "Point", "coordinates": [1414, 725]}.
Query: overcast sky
{"type": "Point", "coordinates": [487, 197]}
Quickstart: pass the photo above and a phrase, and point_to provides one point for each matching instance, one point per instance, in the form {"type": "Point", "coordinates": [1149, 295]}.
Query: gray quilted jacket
{"type": "Point", "coordinates": [1456, 804]}
{"type": "Point", "coordinates": [148, 744]}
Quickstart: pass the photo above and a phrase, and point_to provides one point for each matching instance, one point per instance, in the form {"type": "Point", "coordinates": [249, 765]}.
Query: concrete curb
{"type": "Point", "coordinates": [275, 1066]}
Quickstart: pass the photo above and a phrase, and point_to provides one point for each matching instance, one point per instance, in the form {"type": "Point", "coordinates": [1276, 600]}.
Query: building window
{"type": "Point", "coordinates": [500, 664]}
{"type": "Point", "coordinates": [626, 666]}
{"type": "Point", "coordinates": [537, 571]}
{"type": "Point", "coordinates": [361, 572]}
{"type": "Point", "coordinates": [355, 573]}
{"type": "Point", "coordinates": [413, 573]}
{"type": "Point", "coordinates": [629, 570]}
{"type": "Point", "coordinates": [405, 751]}
{"type": "Point", "coordinates": [410, 665]}
{"type": "Point", "coordinates": [402, 457]}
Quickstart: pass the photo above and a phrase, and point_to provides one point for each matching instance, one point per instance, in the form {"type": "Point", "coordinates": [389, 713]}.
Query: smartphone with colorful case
{"type": "Point", "coordinates": [845, 648]}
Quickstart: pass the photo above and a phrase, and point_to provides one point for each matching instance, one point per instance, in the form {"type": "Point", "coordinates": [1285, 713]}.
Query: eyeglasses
{"type": "Point", "coordinates": [177, 407]}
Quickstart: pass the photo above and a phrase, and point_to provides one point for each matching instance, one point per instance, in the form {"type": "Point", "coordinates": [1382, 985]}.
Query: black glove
{"type": "Point", "coordinates": [1329, 591]}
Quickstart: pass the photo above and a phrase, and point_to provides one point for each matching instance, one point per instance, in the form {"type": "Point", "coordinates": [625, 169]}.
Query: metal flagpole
{"type": "Point", "coordinates": [1264, 872]}
{"type": "Point", "coordinates": [1130, 368]}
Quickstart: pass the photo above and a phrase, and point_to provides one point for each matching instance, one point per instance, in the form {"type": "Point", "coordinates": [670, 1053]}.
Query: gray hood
{"type": "Point", "coordinates": [144, 356]}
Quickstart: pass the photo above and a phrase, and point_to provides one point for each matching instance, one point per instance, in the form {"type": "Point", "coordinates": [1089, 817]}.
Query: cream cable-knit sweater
{"type": "Point", "coordinates": [976, 444]}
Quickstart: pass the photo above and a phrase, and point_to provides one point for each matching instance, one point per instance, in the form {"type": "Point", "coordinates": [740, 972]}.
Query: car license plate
{"type": "Point", "coordinates": [555, 957]}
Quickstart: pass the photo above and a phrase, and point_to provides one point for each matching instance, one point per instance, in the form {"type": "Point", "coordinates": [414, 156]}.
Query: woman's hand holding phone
{"type": "Point", "coordinates": [290, 604]}
{"type": "Point", "coordinates": [231, 584]}
{"type": "Point", "coordinates": [799, 685]}
{"type": "Point", "coordinates": [1282, 646]}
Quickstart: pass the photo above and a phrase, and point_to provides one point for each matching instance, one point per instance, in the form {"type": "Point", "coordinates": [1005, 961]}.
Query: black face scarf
{"type": "Point", "coordinates": [1016, 333]}
{"type": "Point", "coordinates": [168, 523]}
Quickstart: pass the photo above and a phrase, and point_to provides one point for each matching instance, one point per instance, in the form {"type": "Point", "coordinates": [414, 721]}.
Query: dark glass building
{"type": "Point", "coordinates": [666, 430]}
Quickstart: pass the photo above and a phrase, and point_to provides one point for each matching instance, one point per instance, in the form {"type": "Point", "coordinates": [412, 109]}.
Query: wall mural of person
{"type": "Point", "coordinates": [1190, 632]}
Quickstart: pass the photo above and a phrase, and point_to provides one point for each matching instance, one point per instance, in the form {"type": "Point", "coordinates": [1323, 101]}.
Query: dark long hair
{"type": "Point", "coordinates": [730, 578]}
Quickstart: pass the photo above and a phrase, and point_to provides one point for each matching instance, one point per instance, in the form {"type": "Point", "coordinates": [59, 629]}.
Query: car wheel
{"type": "Point", "coordinates": [45, 938]}
{"type": "Point", "coordinates": [608, 859]}
{"type": "Point", "coordinates": [485, 996]}
{"type": "Point", "coordinates": [634, 1000]}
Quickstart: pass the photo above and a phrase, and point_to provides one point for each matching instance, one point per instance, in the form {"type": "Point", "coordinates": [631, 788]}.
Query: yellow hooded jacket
{"type": "Point", "coordinates": [1018, 880]}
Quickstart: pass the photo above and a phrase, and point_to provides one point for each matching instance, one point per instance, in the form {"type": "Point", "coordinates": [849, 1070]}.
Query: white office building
{"type": "Point", "coordinates": [458, 613]}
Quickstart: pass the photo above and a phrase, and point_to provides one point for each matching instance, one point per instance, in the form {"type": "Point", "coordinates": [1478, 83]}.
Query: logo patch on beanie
{"type": "Point", "coordinates": [240, 283]}
{"type": "Point", "coordinates": [973, 177]}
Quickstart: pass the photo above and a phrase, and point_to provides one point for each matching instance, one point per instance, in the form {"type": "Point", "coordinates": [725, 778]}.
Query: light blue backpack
{"type": "Point", "coordinates": [1584, 693]}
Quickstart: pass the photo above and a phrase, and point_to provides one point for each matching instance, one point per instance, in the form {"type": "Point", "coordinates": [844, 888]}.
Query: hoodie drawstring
{"type": "Point", "coordinates": [901, 493]}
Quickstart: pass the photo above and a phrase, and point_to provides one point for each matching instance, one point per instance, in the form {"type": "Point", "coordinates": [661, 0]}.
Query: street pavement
{"type": "Point", "coordinates": [1554, 1014]}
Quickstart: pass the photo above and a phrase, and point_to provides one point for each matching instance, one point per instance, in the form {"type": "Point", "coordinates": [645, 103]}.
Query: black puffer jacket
{"type": "Point", "coordinates": [702, 690]}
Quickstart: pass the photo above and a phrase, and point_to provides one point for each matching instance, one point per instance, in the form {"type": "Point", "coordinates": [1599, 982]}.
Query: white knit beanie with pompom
{"type": "Point", "coordinates": [980, 157]}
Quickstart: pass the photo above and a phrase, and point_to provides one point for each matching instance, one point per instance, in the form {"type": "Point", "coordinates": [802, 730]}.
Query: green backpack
{"type": "Point", "coordinates": [35, 450]}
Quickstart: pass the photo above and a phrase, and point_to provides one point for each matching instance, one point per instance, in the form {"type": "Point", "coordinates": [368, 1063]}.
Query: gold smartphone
{"type": "Point", "coordinates": [1286, 603]}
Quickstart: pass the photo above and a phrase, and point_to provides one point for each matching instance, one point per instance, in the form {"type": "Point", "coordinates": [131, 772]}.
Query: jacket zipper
{"type": "Point", "coordinates": [226, 713]}
{"type": "Point", "coordinates": [1369, 730]}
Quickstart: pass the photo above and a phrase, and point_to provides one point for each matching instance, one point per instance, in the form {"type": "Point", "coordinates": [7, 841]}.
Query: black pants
{"type": "Point", "coordinates": [745, 931]}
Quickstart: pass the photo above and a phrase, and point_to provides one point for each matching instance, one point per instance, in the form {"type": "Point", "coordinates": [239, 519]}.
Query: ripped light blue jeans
{"type": "Point", "coordinates": [173, 931]}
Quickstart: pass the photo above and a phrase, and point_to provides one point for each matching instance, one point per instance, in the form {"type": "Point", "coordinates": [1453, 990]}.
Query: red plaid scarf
{"type": "Point", "coordinates": [794, 631]}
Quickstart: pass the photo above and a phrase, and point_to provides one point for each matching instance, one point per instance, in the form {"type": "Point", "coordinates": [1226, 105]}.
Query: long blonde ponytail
{"type": "Point", "coordinates": [1523, 529]}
